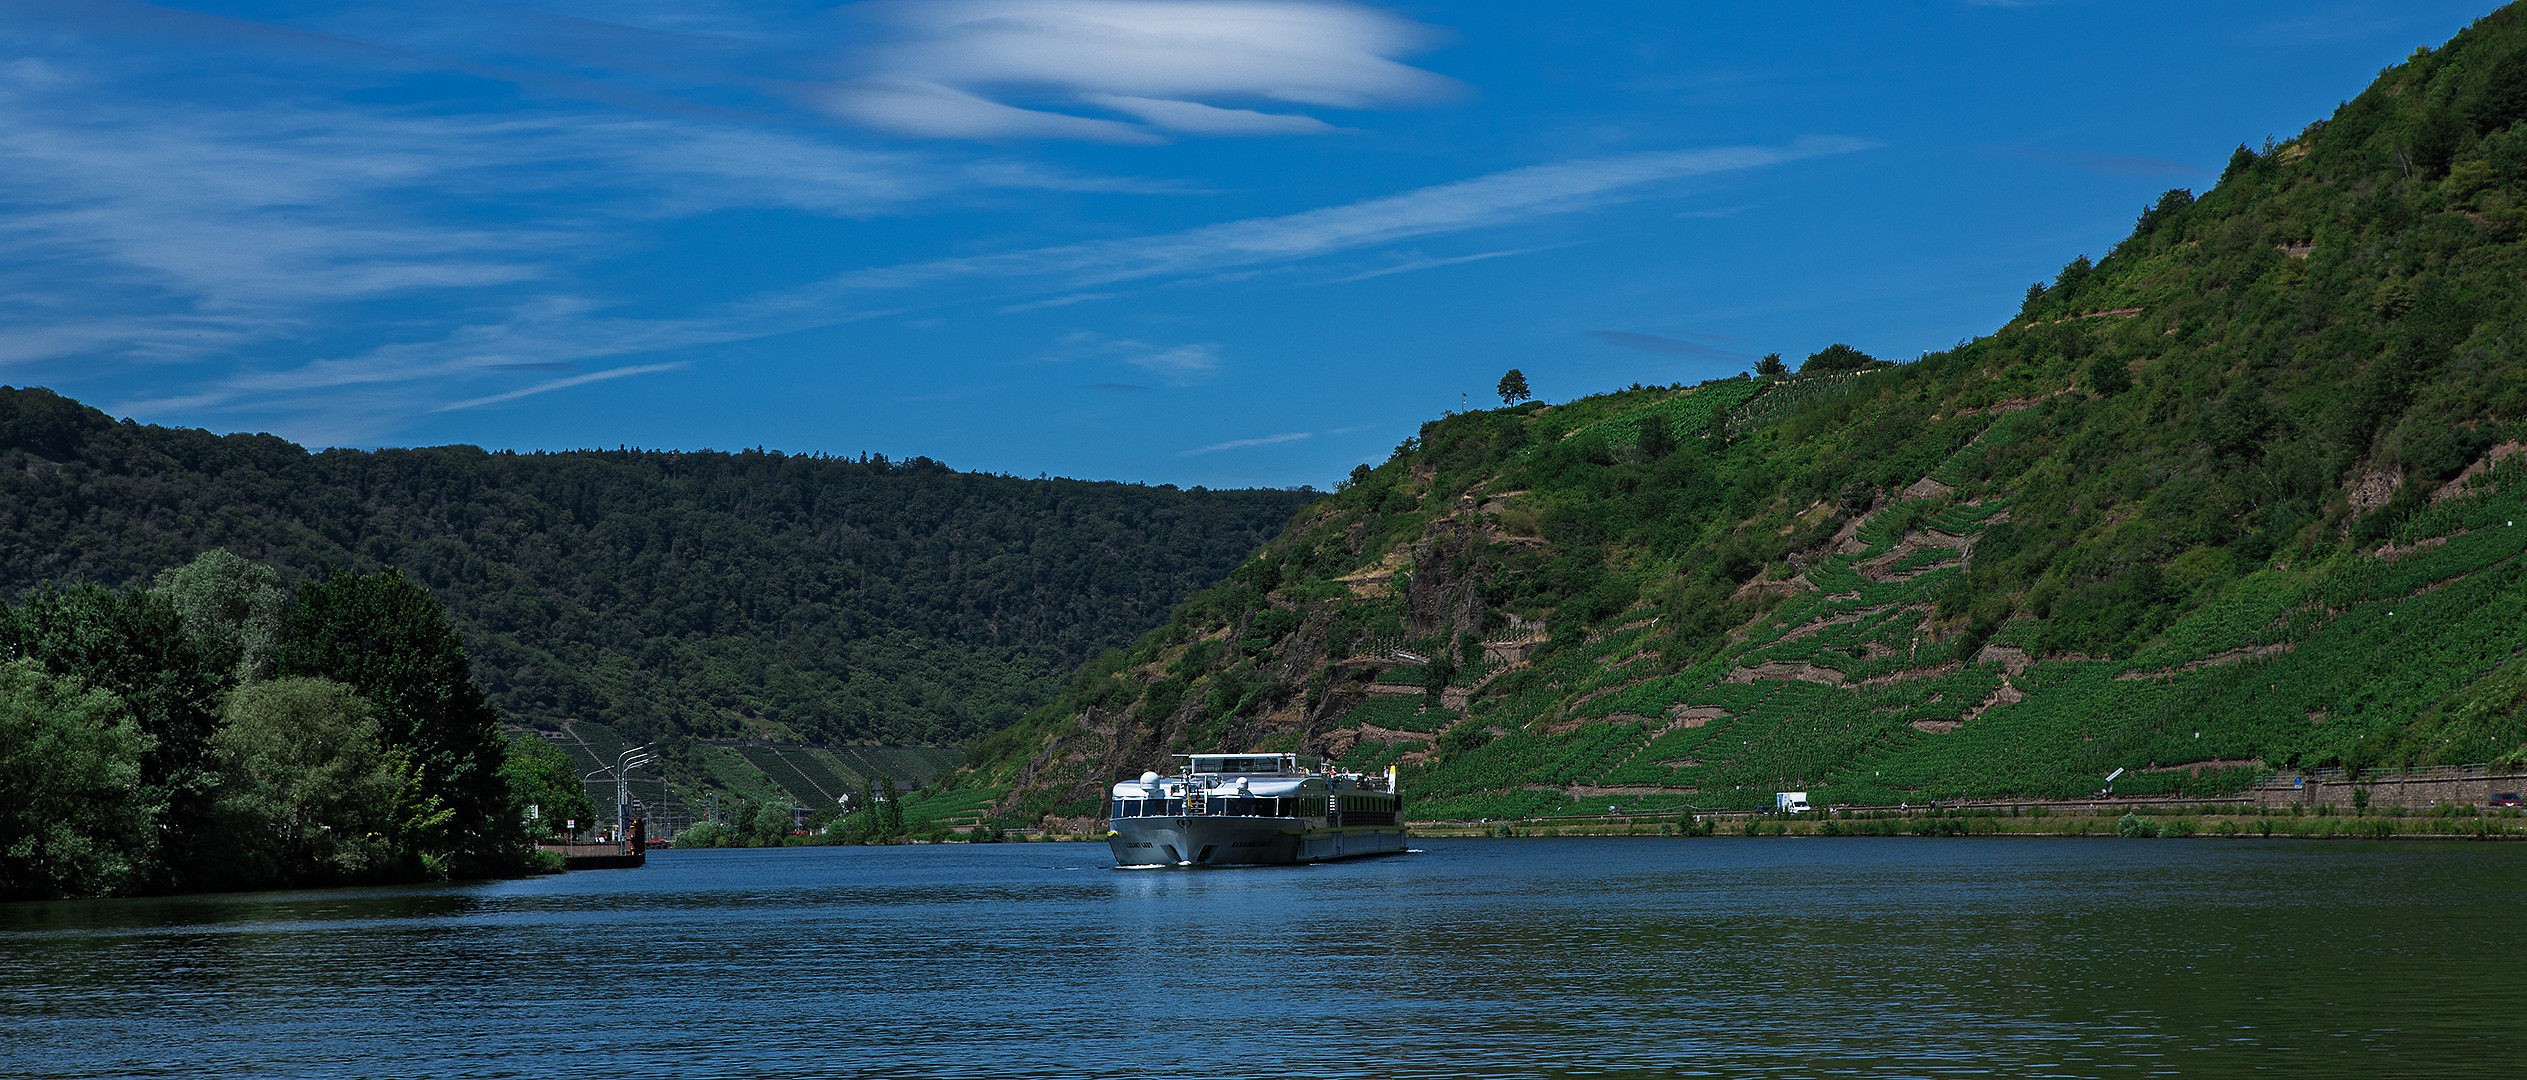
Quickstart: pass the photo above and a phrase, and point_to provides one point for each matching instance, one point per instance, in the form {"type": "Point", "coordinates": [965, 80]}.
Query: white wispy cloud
{"type": "Point", "coordinates": [1178, 361]}
{"type": "Point", "coordinates": [415, 259]}
{"type": "Point", "coordinates": [188, 236]}
{"type": "Point", "coordinates": [1495, 199]}
{"type": "Point", "coordinates": [1419, 263]}
{"type": "Point", "coordinates": [1177, 67]}
{"type": "Point", "coordinates": [1196, 118]}
{"type": "Point", "coordinates": [557, 384]}
{"type": "Point", "coordinates": [1179, 364]}
{"type": "Point", "coordinates": [1057, 301]}
{"type": "Point", "coordinates": [570, 330]}
{"type": "Point", "coordinates": [1239, 444]}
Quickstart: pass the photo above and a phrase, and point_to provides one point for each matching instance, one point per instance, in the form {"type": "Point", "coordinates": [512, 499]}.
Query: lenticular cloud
{"type": "Point", "coordinates": [1128, 70]}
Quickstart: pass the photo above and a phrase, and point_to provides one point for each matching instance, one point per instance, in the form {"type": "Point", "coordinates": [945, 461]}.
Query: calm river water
{"type": "Point", "coordinates": [1572, 957]}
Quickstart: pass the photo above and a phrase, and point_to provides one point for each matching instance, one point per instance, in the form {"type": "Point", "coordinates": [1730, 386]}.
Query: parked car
{"type": "Point", "coordinates": [2505, 798]}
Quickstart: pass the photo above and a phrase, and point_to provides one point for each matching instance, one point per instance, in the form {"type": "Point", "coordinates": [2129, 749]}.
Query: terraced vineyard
{"type": "Point", "coordinates": [2239, 498]}
{"type": "Point", "coordinates": [1836, 691]}
{"type": "Point", "coordinates": [810, 776]}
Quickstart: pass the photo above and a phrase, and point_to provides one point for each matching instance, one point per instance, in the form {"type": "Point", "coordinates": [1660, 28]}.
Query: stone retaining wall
{"type": "Point", "coordinates": [2389, 789]}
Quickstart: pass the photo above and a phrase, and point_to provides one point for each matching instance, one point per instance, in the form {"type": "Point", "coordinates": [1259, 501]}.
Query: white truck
{"type": "Point", "coordinates": [1790, 802]}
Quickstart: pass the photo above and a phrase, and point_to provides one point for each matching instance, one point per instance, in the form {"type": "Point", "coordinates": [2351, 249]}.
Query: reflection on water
{"type": "Point", "coordinates": [1471, 958]}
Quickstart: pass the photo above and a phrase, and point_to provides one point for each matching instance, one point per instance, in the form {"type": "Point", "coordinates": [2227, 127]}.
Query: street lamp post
{"type": "Point", "coordinates": [622, 772]}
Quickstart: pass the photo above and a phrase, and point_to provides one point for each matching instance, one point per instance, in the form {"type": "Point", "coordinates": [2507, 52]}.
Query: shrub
{"type": "Point", "coordinates": [1837, 357]}
{"type": "Point", "coordinates": [2131, 827]}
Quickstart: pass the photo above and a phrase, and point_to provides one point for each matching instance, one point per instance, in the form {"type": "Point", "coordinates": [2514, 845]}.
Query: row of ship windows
{"type": "Point", "coordinates": [1226, 805]}
{"type": "Point", "coordinates": [1356, 808]}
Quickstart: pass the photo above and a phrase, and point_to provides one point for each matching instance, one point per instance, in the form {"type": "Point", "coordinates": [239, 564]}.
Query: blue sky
{"type": "Point", "coordinates": [1220, 243]}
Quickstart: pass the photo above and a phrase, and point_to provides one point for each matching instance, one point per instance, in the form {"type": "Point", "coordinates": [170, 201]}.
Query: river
{"type": "Point", "coordinates": [1532, 957]}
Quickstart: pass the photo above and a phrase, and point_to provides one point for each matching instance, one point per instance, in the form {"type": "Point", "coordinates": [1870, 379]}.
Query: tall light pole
{"type": "Point", "coordinates": [622, 772]}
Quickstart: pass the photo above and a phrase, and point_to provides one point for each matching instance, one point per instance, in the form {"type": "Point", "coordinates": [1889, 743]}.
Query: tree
{"type": "Point", "coordinates": [132, 645]}
{"type": "Point", "coordinates": [539, 775]}
{"type": "Point", "coordinates": [75, 818]}
{"type": "Point", "coordinates": [2107, 376]}
{"type": "Point", "coordinates": [1837, 357]}
{"type": "Point", "coordinates": [883, 816]}
{"type": "Point", "coordinates": [770, 824]}
{"type": "Point", "coordinates": [981, 573]}
{"type": "Point", "coordinates": [390, 641]}
{"type": "Point", "coordinates": [309, 793]}
{"type": "Point", "coordinates": [1658, 438]}
{"type": "Point", "coordinates": [2240, 160]}
{"type": "Point", "coordinates": [2172, 202]}
{"type": "Point", "coordinates": [2075, 276]}
{"type": "Point", "coordinates": [1435, 677]}
{"type": "Point", "coordinates": [1513, 387]}
{"type": "Point", "coordinates": [1771, 365]}
{"type": "Point", "coordinates": [230, 607]}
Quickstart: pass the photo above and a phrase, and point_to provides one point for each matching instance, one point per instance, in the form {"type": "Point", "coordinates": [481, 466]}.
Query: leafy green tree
{"type": "Point", "coordinates": [2241, 161]}
{"type": "Point", "coordinates": [231, 608]}
{"type": "Point", "coordinates": [770, 824]}
{"type": "Point", "coordinates": [390, 641]}
{"type": "Point", "coordinates": [540, 776]}
{"type": "Point", "coordinates": [133, 646]}
{"type": "Point", "coordinates": [1771, 365]}
{"type": "Point", "coordinates": [891, 812]}
{"type": "Point", "coordinates": [2031, 306]}
{"type": "Point", "coordinates": [1658, 437]}
{"type": "Point", "coordinates": [76, 818]}
{"type": "Point", "coordinates": [2171, 204]}
{"type": "Point", "coordinates": [1436, 674]}
{"type": "Point", "coordinates": [309, 793]}
{"type": "Point", "coordinates": [2074, 278]}
{"type": "Point", "coordinates": [1513, 387]}
{"type": "Point", "coordinates": [1837, 357]}
{"type": "Point", "coordinates": [2107, 376]}
{"type": "Point", "coordinates": [882, 815]}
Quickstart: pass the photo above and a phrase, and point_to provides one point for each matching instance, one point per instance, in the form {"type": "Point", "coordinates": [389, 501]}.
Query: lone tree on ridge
{"type": "Point", "coordinates": [1513, 387]}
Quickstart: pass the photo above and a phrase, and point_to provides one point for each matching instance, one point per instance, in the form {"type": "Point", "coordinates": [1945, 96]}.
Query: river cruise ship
{"type": "Point", "coordinates": [1249, 809]}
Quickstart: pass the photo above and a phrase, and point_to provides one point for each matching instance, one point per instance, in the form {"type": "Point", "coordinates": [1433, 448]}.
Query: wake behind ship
{"type": "Point", "coordinates": [1251, 809]}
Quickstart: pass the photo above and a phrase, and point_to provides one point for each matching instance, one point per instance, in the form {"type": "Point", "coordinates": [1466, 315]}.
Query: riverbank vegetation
{"type": "Point", "coordinates": [2240, 497]}
{"type": "Point", "coordinates": [2208, 821]}
{"type": "Point", "coordinates": [212, 729]}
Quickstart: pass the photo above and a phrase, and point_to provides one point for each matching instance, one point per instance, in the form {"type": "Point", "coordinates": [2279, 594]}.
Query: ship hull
{"type": "Point", "coordinates": [1244, 841]}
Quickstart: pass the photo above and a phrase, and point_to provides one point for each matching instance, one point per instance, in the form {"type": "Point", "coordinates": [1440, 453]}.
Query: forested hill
{"type": "Point", "coordinates": [712, 594]}
{"type": "Point", "coordinates": [2241, 497]}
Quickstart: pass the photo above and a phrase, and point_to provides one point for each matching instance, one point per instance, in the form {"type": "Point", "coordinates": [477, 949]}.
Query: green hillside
{"type": "Point", "coordinates": [2239, 496]}
{"type": "Point", "coordinates": [753, 594]}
